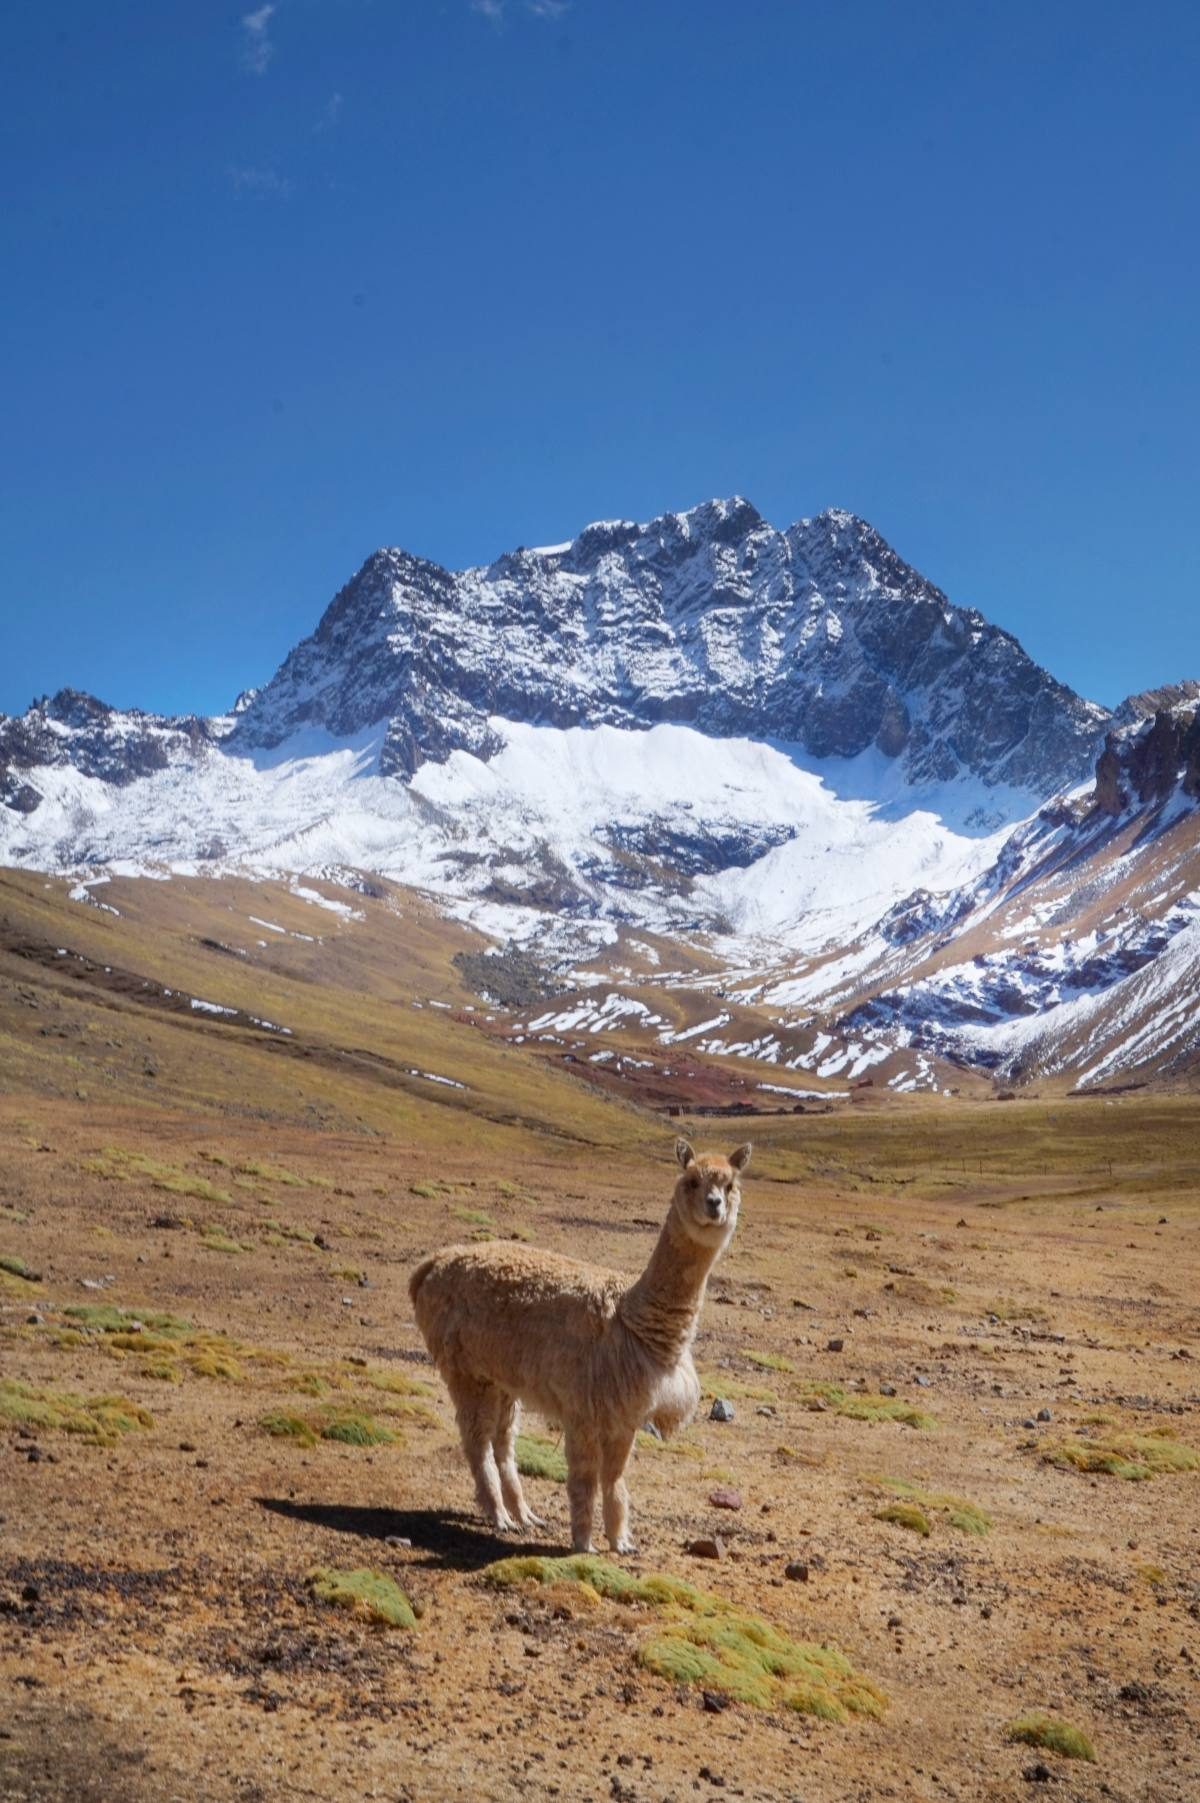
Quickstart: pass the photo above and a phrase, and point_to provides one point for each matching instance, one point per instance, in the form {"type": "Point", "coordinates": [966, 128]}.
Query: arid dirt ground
{"type": "Point", "coordinates": [1016, 1280]}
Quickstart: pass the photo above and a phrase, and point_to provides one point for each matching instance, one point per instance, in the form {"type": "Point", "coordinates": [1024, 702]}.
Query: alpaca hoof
{"type": "Point", "coordinates": [502, 1524]}
{"type": "Point", "coordinates": [582, 1546]}
{"type": "Point", "coordinates": [530, 1520]}
{"type": "Point", "coordinates": [624, 1545]}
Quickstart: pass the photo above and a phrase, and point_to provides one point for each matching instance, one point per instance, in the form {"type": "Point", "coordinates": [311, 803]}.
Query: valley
{"type": "Point", "coordinates": [957, 1338]}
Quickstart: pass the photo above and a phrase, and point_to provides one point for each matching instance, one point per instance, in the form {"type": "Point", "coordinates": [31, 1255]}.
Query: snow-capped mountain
{"type": "Point", "coordinates": [818, 636]}
{"type": "Point", "coordinates": [787, 745]}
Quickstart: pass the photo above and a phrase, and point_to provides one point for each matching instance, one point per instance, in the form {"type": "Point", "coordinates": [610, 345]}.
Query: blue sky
{"type": "Point", "coordinates": [287, 282]}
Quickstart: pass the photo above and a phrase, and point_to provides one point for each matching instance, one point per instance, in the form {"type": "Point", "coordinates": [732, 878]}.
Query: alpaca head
{"type": "Point", "coordinates": [707, 1195]}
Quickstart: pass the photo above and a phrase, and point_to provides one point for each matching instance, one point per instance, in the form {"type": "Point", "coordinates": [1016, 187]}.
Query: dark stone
{"type": "Point", "coordinates": [1109, 796]}
{"type": "Point", "coordinates": [1155, 757]}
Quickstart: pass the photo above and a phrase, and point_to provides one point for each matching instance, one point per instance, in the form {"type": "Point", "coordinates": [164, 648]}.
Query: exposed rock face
{"type": "Point", "coordinates": [818, 635]}
{"type": "Point", "coordinates": [1110, 797]}
{"type": "Point", "coordinates": [1155, 757]}
{"type": "Point", "coordinates": [1149, 758]}
{"type": "Point", "coordinates": [74, 729]}
{"type": "Point", "coordinates": [1191, 755]}
{"type": "Point", "coordinates": [1170, 695]}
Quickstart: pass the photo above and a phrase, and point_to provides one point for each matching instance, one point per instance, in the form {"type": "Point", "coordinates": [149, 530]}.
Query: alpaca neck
{"type": "Point", "coordinates": [663, 1306]}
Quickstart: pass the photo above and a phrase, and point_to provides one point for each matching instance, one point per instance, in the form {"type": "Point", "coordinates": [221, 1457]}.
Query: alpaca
{"type": "Point", "coordinates": [585, 1347]}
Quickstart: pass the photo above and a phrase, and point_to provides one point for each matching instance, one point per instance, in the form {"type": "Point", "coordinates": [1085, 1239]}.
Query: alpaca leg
{"type": "Point", "coordinates": [583, 1476]}
{"type": "Point", "coordinates": [477, 1406]}
{"type": "Point", "coordinates": [505, 1447]}
{"type": "Point", "coordinates": [613, 1459]}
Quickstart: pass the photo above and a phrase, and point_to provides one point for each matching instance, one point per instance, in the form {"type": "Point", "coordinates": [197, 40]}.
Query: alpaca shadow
{"type": "Point", "coordinates": [449, 1540]}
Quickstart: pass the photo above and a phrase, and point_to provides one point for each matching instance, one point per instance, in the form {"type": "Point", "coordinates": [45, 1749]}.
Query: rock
{"type": "Point", "coordinates": [1108, 795]}
{"type": "Point", "coordinates": [1155, 757]}
{"type": "Point", "coordinates": [1044, 1415]}
{"type": "Point", "coordinates": [796, 1570]}
{"type": "Point", "coordinates": [924, 1382]}
{"type": "Point", "coordinates": [887, 1389]}
{"type": "Point", "coordinates": [894, 1621]}
{"type": "Point", "coordinates": [1029, 1421]}
{"type": "Point", "coordinates": [1038, 1774]}
{"type": "Point", "coordinates": [835, 1345]}
{"type": "Point", "coordinates": [1135, 1692]}
{"type": "Point", "coordinates": [723, 1497]}
{"type": "Point", "coordinates": [714, 1702]}
{"type": "Point", "coordinates": [721, 1410]}
{"type": "Point", "coordinates": [397, 1540]}
{"type": "Point", "coordinates": [764, 1408]}
{"type": "Point", "coordinates": [707, 1547]}
{"type": "Point", "coordinates": [1191, 752]}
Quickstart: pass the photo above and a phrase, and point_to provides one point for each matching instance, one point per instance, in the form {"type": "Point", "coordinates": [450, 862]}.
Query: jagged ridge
{"type": "Point", "coordinates": [818, 635]}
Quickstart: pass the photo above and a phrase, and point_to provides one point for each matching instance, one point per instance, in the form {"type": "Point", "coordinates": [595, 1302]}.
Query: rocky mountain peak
{"type": "Point", "coordinates": [818, 635]}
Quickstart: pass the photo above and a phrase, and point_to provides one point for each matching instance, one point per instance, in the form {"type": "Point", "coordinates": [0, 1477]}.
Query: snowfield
{"type": "Point", "coordinates": [831, 891]}
{"type": "Point", "coordinates": [854, 839]}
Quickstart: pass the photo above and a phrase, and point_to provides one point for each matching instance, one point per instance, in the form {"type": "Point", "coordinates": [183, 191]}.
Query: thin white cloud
{"type": "Point", "coordinates": [257, 45]}
{"type": "Point", "coordinates": [496, 11]}
{"type": "Point", "coordinates": [330, 113]}
{"type": "Point", "coordinates": [251, 179]}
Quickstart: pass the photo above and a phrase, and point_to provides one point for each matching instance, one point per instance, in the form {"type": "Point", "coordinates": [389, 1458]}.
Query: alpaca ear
{"type": "Point", "coordinates": [684, 1153]}
{"type": "Point", "coordinates": [741, 1158]}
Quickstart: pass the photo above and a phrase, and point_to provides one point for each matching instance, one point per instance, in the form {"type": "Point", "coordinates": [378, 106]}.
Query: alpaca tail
{"type": "Point", "coordinates": [418, 1277]}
